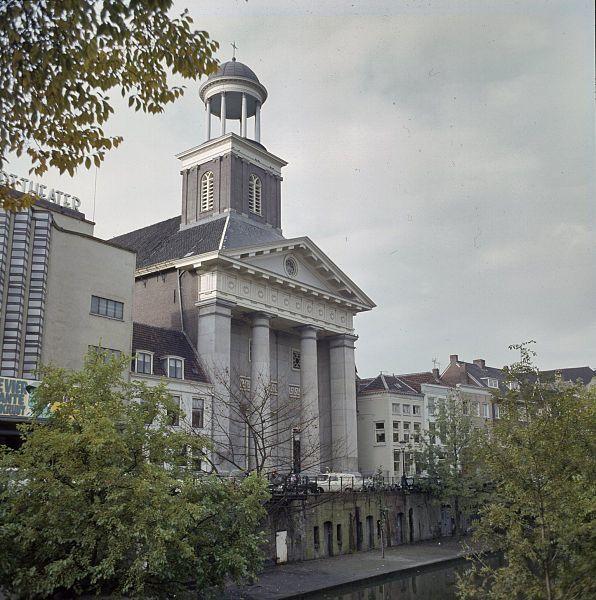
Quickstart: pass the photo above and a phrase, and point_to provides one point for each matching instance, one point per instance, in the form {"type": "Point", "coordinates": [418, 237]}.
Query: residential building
{"type": "Point", "coordinates": [390, 426]}
{"type": "Point", "coordinates": [267, 314]}
{"type": "Point", "coordinates": [166, 356]}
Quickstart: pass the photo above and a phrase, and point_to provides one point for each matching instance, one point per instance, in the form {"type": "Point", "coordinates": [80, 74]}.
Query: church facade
{"type": "Point", "coordinates": [271, 319]}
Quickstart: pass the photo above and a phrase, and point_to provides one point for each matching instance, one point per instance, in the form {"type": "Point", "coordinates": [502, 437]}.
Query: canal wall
{"type": "Point", "coordinates": [332, 524]}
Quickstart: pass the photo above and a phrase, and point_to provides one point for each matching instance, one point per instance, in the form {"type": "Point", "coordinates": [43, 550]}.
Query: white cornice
{"type": "Point", "coordinates": [231, 143]}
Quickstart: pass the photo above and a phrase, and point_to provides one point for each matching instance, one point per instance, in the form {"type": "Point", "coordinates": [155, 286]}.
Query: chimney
{"type": "Point", "coordinates": [480, 362]}
{"type": "Point", "coordinates": [453, 358]}
{"type": "Point", "coordinates": [436, 373]}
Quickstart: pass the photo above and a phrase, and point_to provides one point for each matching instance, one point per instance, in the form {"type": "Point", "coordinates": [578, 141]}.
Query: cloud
{"type": "Point", "coordinates": [441, 152]}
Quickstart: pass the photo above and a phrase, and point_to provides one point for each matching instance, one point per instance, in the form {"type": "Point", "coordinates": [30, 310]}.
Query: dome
{"type": "Point", "coordinates": [233, 68]}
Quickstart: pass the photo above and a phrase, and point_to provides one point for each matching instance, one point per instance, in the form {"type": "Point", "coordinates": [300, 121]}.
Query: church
{"type": "Point", "coordinates": [271, 319]}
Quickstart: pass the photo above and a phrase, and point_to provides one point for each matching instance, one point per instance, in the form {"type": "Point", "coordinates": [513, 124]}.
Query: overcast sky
{"type": "Point", "coordinates": [440, 152]}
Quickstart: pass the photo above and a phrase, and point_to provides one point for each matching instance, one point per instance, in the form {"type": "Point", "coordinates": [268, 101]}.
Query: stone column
{"type": "Point", "coordinates": [208, 118]}
{"type": "Point", "coordinates": [213, 346]}
{"type": "Point", "coordinates": [243, 120]}
{"type": "Point", "coordinates": [342, 375]}
{"type": "Point", "coordinates": [310, 438]}
{"type": "Point", "coordinates": [260, 380]}
{"type": "Point", "coordinates": [258, 122]}
{"type": "Point", "coordinates": [223, 113]}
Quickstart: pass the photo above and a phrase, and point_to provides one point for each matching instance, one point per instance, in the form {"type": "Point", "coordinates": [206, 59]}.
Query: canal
{"type": "Point", "coordinates": [431, 583]}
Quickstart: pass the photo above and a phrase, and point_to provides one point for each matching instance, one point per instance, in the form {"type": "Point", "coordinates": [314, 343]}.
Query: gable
{"type": "Point", "coordinates": [315, 268]}
{"type": "Point", "coordinates": [276, 264]}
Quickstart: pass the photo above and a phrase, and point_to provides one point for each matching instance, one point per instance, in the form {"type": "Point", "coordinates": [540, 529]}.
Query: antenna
{"type": "Point", "coordinates": [436, 363]}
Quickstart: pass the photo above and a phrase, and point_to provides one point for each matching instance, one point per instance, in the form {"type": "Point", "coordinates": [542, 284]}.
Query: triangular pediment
{"type": "Point", "coordinates": [302, 261]}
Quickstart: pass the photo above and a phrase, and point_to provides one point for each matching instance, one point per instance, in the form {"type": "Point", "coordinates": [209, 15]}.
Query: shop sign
{"type": "Point", "coordinates": [27, 186]}
{"type": "Point", "coordinates": [15, 397]}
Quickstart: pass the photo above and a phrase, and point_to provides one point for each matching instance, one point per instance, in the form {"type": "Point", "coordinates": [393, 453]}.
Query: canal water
{"type": "Point", "coordinates": [432, 583]}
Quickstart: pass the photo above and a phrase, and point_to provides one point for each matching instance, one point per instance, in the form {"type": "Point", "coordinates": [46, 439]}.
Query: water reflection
{"type": "Point", "coordinates": [430, 584]}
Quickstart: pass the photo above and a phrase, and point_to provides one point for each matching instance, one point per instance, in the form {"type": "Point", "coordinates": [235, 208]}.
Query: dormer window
{"type": "Point", "coordinates": [174, 367]}
{"type": "Point", "coordinates": [144, 362]}
{"type": "Point", "coordinates": [254, 195]}
{"type": "Point", "coordinates": [492, 383]}
{"type": "Point", "coordinates": [207, 191]}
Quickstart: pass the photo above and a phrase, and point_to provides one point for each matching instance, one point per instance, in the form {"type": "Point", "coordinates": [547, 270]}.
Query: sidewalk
{"type": "Point", "coordinates": [288, 581]}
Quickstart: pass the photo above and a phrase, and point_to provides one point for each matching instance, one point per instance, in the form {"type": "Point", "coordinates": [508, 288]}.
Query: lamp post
{"type": "Point", "coordinates": [404, 479]}
{"type": "Point", "coordinates": [296, 466]}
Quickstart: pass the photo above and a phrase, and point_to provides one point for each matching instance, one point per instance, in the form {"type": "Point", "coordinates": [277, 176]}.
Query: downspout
{"type": "Point", "coordinates": [180, 273]}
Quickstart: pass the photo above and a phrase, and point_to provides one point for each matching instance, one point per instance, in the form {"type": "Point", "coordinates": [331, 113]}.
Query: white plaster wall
{"type": "Point", "coordinates": [80, 267]}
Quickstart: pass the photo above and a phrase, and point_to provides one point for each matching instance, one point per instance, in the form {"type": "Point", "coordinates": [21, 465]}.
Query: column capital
{"type": "Point", "coordinates": [216, 305]}
{"type": "Point", "coordinates": [308, 330]}
{"type": "Point", "coordinates": [343, 340]}
{"type": "Point", "coordinates": [261, 316]}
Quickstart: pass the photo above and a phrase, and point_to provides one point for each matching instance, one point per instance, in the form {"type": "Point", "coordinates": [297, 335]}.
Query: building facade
{"type": "Point", "coordinates": [62, 291]}
{"type": "Point", "coordinates": [272, 319]}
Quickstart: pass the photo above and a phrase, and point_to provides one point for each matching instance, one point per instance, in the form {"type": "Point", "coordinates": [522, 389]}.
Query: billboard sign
{"type": "Point", "coordinates": [15, 397]}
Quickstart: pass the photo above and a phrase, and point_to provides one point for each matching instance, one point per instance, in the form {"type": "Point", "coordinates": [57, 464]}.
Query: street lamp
{"type": "Point", "coordinates": [404, 479]}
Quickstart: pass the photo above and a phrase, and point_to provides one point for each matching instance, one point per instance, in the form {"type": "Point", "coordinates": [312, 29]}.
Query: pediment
{"type": "Point", "coordinates": [313, 267]}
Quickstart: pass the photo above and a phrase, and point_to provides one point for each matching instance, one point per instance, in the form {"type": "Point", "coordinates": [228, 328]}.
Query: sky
{"type": "Point", "coordinates": [442, 153]}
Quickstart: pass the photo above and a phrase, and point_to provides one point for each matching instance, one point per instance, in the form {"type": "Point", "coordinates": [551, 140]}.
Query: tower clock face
{"type": "Point", "coordinates": [291, 266]}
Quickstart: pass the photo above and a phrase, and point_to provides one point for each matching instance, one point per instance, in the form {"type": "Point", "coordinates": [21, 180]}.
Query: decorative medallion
{"type": "Point", "coordinates": [291, 266]}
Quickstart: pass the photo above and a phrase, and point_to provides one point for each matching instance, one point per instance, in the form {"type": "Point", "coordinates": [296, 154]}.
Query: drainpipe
{"type": "Point", "coordinates": [180, 273]}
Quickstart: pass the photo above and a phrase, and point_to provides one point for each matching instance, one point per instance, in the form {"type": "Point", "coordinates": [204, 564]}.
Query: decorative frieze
{"type": "Point", "coordinates": [256, 294]}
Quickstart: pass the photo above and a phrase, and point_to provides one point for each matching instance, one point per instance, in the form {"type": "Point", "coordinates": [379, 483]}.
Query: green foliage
{"type": "Point", "coordinates": [101, 497]}
{"type": "Point", "coordinates": [58, 60]}
{"type": "Point", "coordinates": [449, 457]}
{"type": "Point", "coordinates": [541, 457]}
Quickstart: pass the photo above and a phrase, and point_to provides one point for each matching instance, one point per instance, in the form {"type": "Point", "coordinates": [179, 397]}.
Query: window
{"type": "Point", "coordinates": [106, 353]}
{"type": "Point", "coordinates": [431, 406]}
{"type": "Point", "coordinates": [431, 431]}
{"type": "Point", "coordinates": [291, 266]}
{"type": "Point", "coordinates": [207, 191]}
{"type": "Point", "coordinates": [465, 407]}
{"type": "Point", "coordinates": [198, 412]}
{"type": "Point", "coordinates": [417, 427]}
{"type": "Point", "coordinates": [107, 308]}
{"type": "Point", "coordinates": [396, 431]}
{"type": "Point", "coordinates": [380, 432]}
{"type": "Point", "coordinates": [513, 385]}
{"type": "Point", "coordinates": [492, 383]}
{"type": "Point", "coordinates": [174, 415]}
{"type": "Point", "coordinates": [144, 362]}
{"type": "Point", "coordinates": [406, 409]}
{"type": "Point", "coordinates": [396, 461]}
{"type": "Point", "coordinates": [296, 360]}
{"type": "Point", "coordinates": [497, 411]}
{"type": "Point", "coordinates": [406, 425]}
{"type": "Point", "coordinates": [476, 408]}
{"type": "Point", "coordinates": [416, 410]}
{"type": "Point", "coordinates": [395, 408]}
{"type": "Point", "coordinates": [254, 195]}
{"type": "Point", "coordinates": [485, 412]}
{"type": "Point", "coordinates": [406, 437]}
{"type": "Point", "coordinates": [175, 368]}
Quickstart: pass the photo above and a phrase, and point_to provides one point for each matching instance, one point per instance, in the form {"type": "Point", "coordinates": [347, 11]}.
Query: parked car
{"type": "Point", "coordinates": [339, 482]}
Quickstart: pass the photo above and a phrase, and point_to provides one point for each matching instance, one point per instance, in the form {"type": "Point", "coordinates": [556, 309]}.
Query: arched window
{"type": "Point", "coordinates": [254, 195]}
{"type": "Point", "coordinates": [207, 191]}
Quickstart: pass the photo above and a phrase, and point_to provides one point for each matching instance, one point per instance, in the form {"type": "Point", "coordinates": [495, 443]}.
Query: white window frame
{"type": "Point", "coordinates": [202, 410]}
{"type": "Point", "coordinates": [206, 194]}
{"type": "Point", "coordinates": [254, 194]}
{"type": "Point", "coordinates": [416, 410]}
{"type": "Point", "coordinates": [395, 431]}
{"type": "Point", "coordinates": [167, 369]}
{"type": "Point", "coordinates": [493, 383]}
{"type": "Point", "coordinates": [150, 355]}
{"type": "Point", "coordinates": [379, 431]}
{"type": "Point", "coordinates": [486, 410]}
{"type": "Point", "coordinates": [406, 409]}
{"type": "Point", "coordinates": [394, 410]}
{"type": "Point", "coordinates": [175, 419]}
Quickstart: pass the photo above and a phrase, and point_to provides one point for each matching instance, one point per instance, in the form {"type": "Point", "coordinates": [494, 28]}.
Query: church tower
{"type": "Point", "coordinates": [232, 173]}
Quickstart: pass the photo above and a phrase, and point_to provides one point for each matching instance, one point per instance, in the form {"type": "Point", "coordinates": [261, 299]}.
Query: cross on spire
{"type": "Point", "coordinates": [233, 44]}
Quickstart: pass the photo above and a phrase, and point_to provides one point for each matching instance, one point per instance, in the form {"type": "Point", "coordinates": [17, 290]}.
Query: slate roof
{"type": "Point", "coordinates": [167, 342]}
{"type": "Point", "coordinates": [574, 374]}
{"type": "Point", "coordinates": [415, 380]}
{"type": "Point", "coordinates": [386, 383]}
{"type": "Point", "coordinates": [165, 241]}
{"type": "Point", "coordinates": [481, 374]}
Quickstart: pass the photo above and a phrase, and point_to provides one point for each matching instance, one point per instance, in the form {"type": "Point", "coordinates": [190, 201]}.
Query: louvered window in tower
{"type": "Point", "coordinates": [254, 195]}
{"type": "Point", "coordinates": [207, 191]}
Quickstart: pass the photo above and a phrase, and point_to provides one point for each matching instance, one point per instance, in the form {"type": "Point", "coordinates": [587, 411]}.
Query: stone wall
{"type": "Point", "coordinates": [332, 524]}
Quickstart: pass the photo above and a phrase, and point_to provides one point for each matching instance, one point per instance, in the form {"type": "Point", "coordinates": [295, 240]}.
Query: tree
{"type": "Point", "coordinates": [256, 427]}
{"type": "Point", "coordinates": [58, 60]}
{"type": "Point", "coordinates": [448, 456]}
{"type": "Point", "coordinates": [101, 498]}
{"type": "Point", "coordinates": [541, 457]}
